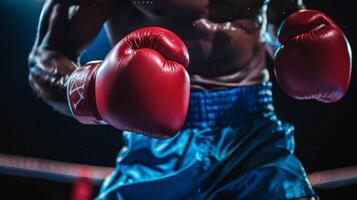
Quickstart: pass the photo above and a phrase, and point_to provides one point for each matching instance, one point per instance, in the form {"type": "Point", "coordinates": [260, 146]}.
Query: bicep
{"type": "Point", "coordinates": [87, 22]}
{"type": "Point", "coordinates": [68, 26]}
{"type": "Point", "coordinates": [65, 28]}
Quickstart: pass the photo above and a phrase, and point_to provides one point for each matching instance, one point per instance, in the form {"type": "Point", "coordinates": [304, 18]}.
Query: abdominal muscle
{"type": "Point", "coordinates": [229, 54]}
{"type": "Point", "coordinates": [223, 55]}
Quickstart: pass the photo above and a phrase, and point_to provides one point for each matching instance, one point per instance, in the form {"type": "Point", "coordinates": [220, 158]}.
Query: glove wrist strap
{"type": "Point", "coordinates": [81, 94]}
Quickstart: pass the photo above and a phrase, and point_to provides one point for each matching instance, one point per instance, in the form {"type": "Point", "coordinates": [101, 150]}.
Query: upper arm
{"type": "Point", "coordinates": [87, 22]}
{"type": "Point", "coordinates": [68, 26]}
{"type": "Point", "coordinates": [65, 28]}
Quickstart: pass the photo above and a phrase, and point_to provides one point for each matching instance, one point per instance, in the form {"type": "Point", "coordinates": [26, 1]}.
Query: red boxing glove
{"type": "Point", "coordinates": [141, 86]}
{"type": "Point", "coordinates": [315, 59]}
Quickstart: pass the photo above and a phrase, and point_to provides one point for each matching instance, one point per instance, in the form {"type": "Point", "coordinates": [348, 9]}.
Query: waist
{"type": "Point", "coordinates": [230, 105]}
{"type": "Point", "coordinates": [242, 78]}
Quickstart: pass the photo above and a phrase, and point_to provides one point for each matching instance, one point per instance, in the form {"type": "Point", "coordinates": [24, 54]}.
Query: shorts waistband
{"type": "Point", "coordinates": [224, 106]}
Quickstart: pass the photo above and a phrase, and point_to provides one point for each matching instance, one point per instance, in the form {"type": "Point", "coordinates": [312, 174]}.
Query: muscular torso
{"type": "Point", "coordinates": [224, 37]}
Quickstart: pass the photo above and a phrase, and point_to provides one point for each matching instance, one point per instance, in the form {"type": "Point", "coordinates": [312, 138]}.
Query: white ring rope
{"type": "Point", "coordinates": [69, 172]}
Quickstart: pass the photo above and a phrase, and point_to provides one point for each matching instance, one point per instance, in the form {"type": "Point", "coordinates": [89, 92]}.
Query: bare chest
{"type": "Point", "coordinates": [215, 10]}
{"type": "Point", "coordinates": [222, 36]}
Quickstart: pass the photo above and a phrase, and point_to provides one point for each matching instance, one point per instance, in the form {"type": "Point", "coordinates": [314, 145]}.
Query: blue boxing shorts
{"type": "Point", "coordinates": [232, 146]}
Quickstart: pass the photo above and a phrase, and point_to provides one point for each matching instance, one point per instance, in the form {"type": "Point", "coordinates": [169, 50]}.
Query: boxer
{"type": "Point", "coordinates": [228, 144]}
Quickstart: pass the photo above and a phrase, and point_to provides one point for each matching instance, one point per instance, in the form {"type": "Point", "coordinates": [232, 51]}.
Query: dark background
{"type": "Point", "coordinates": [324, 132]}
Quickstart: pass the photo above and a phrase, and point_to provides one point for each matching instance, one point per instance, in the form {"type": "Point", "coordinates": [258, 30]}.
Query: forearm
{"type": "Point", "coordinates": [49, 73]}
{"type": "Point", "coordinates": [278, 11]}
{"type": "Point", "coordinates": [66, 27]}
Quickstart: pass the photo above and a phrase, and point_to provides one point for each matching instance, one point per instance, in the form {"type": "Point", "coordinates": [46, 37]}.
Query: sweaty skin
{"type": "Point", "coordinates": [226, 39]}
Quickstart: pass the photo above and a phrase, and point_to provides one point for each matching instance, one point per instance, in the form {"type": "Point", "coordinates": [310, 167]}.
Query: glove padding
{"type": "Point", "coordinates": [314, 61]}
{"type": "Point", "coordinates": [141, 86]}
